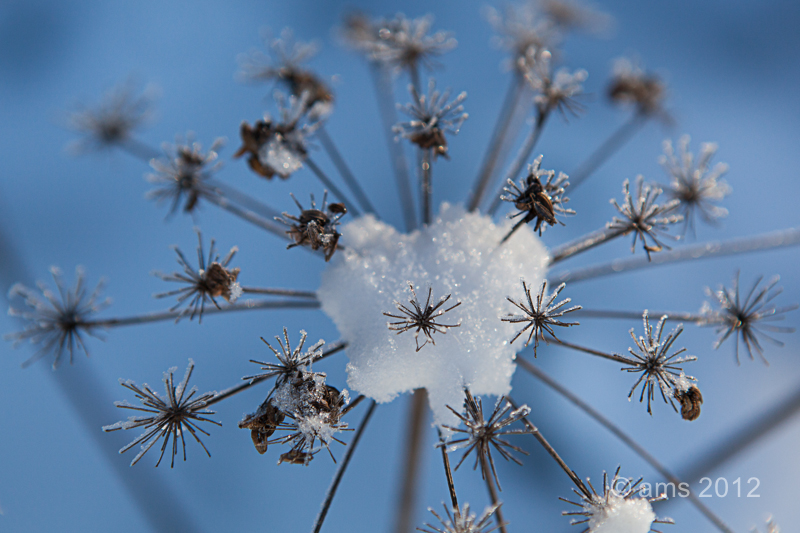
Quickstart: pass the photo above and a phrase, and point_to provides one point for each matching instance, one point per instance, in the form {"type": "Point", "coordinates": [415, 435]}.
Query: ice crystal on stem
{"type": "Point", "coordinates": [540, 316]}
{"type": "Point", "coordinates": [620, 509]}
{"type": "Point", "coordinates": [183, 173]}
{"type": "Point", "coordinates": [462, 521]}
{"type": "Point", "coordinates": [170, 417]}
{"type": "Point", "coordinates": [209, 281]}
{"type": "Point", "coordinates": [315, 228]}
{"type": "Point", "coordinates": [646, 219]}
{"type": "Point", "coordinates": [57, 322]}
{"type": "Point", "coordinates": [744, 318]}
{"type": "Point", "coordinates": [696, 185]}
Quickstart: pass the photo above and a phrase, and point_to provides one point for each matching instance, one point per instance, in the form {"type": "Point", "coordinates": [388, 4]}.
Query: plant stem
{"type": "Point", "coordinates": [614, 142]}
{"type": "Point", "coordinates": [344, 171]}
{"type": "Point", "coordinates": [627, 440]}
{"type": "Point", "coordinates": [243, 199]}
{"type": "Point", "coordinates": [236, 389]}
{"type": "Point", "coordinates": [451, 487]}
{"type": "Point", "coordinates": [637, 315]}
{"type": "Point", "coordinates": [522, 156]}
{"type": "Point", "coordinates": [591, 351]}
{"type": "Point", "coordinates": [553, 453]}
{"type": "Point", "coordinates": [383, 91]}
{"type": "Point", "coordinates": [759, 243]}
{"type": "Point", "coordinates": [584, 243]}
{"type": "Point", "coordinates": [246, 215]}
{"type": "Point", "coordinates": [487, 476]}
{"type": "Point", "coordinates": [331, 187]}
{"type": "Point", "coordinates": [169, 315]}
{"type": "Point", "coordinates": [426, 187]}
{"type": "Point", "coordinates": [490, 159]}
{"type": "Point", "coordinates": [411, 464]}
{"type": "Point", "coordinates": [337, 478]}
{"type": "Point", "coordinates": [280, 292]}
{"type": "Point", "coordinates": [139, 150]}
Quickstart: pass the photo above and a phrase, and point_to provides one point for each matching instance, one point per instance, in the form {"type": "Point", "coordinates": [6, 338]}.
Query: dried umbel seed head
{"type": "Point", "coordinates": [296, 457]}
{"type": "Point", "coordinates": [315, 228]}
{"type": "Point", "coordinates": [630, 84]}
{"type": "Point", "coordinates": [262, 424]}
{"type": "Point", "coordinates": [221, 281]}
{"type": "Point", "coordinates": [421, 317]}
{"type": "Point", "coordinates": [255, 137]}
{"type": "Point", "coordinates": [691, 399]}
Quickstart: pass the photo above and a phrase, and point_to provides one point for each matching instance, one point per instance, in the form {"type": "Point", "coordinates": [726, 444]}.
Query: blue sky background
{"type": "Point", "coordinates": [732, 70]}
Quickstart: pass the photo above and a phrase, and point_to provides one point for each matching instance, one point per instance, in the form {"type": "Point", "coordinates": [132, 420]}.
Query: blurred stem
{"type": "Point", "coordinates": [584, 243]}
{"type": "Point", "coordinates": [591, 351]}
{"type": "Point", "coordinates": [246, 215]}
{"type": "Point", "coordinates": [553, 453]}
{"type": "Point", "coordinates": [522, 156]}
{"type": "Point", "coordinates": [331, 187]}
{"type": "Point", "coordinates": [487, 476]}
{"type": "Point", "coordinates": [501, 128]}
{"type": "Point", "coordinates": [611, 145]}
{"type": "Point", "coordinates": [383, 89]}
{"type": "Point", "coordinates": [244, 199]}
{"type": "Point", "coordinates": [344, 171]}
{"type": "Point", "coordinates": [412, 463]}
{"type": "Point", "coordinates": [759, 243]}
{"type": "Point", "coordinates": [139, 149]}
{"type": "Point", "coordinates": [637, 315]}
{"type": "Point", "coordinates": [280, 292]}
{"type": "Point", "coordinates": [628, 441]}
{"type": "Point", "coordinates": [425, 184]}
{"type": "Point", "coordinates": [236, 389]}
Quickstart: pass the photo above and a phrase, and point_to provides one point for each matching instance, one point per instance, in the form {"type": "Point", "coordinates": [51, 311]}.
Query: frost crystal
{"type": "Point", "coordinates": [458, 254]}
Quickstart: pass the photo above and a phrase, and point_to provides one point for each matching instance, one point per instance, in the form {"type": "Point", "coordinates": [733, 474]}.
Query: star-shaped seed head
{"type": "Point", "coordinates": [422, 317]}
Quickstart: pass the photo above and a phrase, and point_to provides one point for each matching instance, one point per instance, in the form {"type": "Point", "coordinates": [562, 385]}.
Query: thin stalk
{"type": "Point", "coordinates": [411, 463]}
{"type": "Point", "coordinates": [501, 128]}
{"type": "Point", "coordinates": [243, 199]}
{"type": "Point", "coordinates": [170, 315]}
{"type": "Point", "coordinates": [591, 351]}
{"type": "Point", "coordinates": [337, 478]}
{"type": "Point", "coordinates": [139, 150]}
{"type": "Point", "coordinates": [451, 487]}
{"type": "Point", "coordinates": [413, 73]}
{"type": "Point", "coordinates": [522, 156]}
{"type": "Point", "coordinates": [246, 215]}
{"type": "Point", "coordinates": [383, 91]}
{"type": "Point", "coordinates": [280, 292]}
{"type": "Point", "coordinates": [236, 389]}
{"type": "Point", "coordinates": [584, 243]}
{"type": "Point", "coordinates": [331, 187]}
{"type": "Point", "coordinates": [614, 142]}
{"type": "Point", "coordinates": [344, 171]}
{"type": "Point", "coordinates": [426, 187]}
{"type": "Point", "coordinates": [353, 404]}
{"type": "Point", "coordinates": [487, 476]}
{"type": "Point", "coordinates": [755, 430]}
{"type": "Point", "coordinates": [553, 453]}
{"type": "Point", "coordinates": [637, 315]}
{"type": "Point", "coordinates": [621, 435]}
{"type": "Point", "coordinates": [765, 241]}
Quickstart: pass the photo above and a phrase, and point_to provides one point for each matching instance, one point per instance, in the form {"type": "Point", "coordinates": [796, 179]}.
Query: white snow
{"type": "Point", "coordinates": [457, 254]}
{"type": "Point", "coordinates": [620, 515]}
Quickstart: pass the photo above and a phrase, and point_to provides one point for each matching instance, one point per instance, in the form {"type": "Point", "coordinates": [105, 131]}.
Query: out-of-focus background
{"type": "Point", "coordinates": [732, 71]}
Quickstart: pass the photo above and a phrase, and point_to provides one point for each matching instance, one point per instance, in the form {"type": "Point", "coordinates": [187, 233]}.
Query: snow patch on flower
{"type": "Point", "coordinates": [617, 514]}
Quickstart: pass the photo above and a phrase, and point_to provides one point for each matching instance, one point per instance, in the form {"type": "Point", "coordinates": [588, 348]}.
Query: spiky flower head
{"type": "Point", "coordinates": [291, 361]}
{"type": "Point", "coordinates": [56, 321]}
{"type": "Point", "coordinates": [645, 218]}
{"type": "Point", "coordinates": [407, 44]}
{"type": "Point", "coordinates": [571, 15]}
{"type": "Point", "coordinates": [540, 316]}
{"type": "Point", "coordinates": [121, 111]}
{"type": "Point", "coordinates": [554, 90]}
{"type": "Point", "coordinates": [421, 317]}
{"type": "Point", "coordinates": [630, 84]}
{"type": "Point", "coordinates": [183, 174]}
{"type": "Point", "coordinates": [315, 228]}
{"type": "Point", "coordinates": [538, 200]}
{"type": "Point", "coordinates": [621, 507]}
{"type": "Point", "coordinates": [523, 30]}
{"type": "Point", "coordinates": [210, 280]}
{"type": "Point", "coordinates": [431, 117]}
{"type": "Point", "coordinates": [462, 521]}
{"type": "Point", "coordinates": [481, 434]}
{"type": "Point", "coordinates": [170, 417]}
{"type": "Point", "coordinates": [746, 318]}
{"type": "Point", "coordinates": [695, 185]}
{"type": "Point", "coordinates": [658, 368]}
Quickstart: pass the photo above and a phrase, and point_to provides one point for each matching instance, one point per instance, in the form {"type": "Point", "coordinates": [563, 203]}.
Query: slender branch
{"type": "Point", "coordinates": [637, 315]}
{"type": "Point", "coordinates": [489, 478]}
{"type": "Point", "coordinates": [413, 74]}
{"type": "Point", "coordinates": [331, 187]}
{"type": "Point", "coordinates": [246, 215]}
{"type": "Point", "coordinates": [752, 432]}
{"type": "Point", "coordinates": [280, 292]}
{"type": "Point", "coordinates": [353, 404]}
{"type": "Point", "coordinates": [591, 351]}
{"type": "Point", "coordinates": [139, 150]}
{"type": "Point", "coordinates": [553, 453]}
{"type": "Point", "coordinates": [411, 464]}
{"type": "Point", "coordinates": [584, 243]}
{"type": "Point", "coordinates": [245, 200]}
{"type": "Point", "coordinates": [236, 389]}
{"type": "Point", "coordinates": [426, 187]}
{"type": "Point", "coordinates": [170, 315]}
{"type": "Point", "coordinates": [383, 90]}
{"type": "Point", "coordinates": [451, 487]}
{"type": "Point", "coordinates": [522, 156]}
{"type": "Point", "coordinates": [344, 171]}
{"type": "Point", "coordinates": [621, 435]}
{"type": "Point", "coordinates": [609, 147]}
{"type": "Point", "coordinates": [501, 128]}
{"type": "Point", "coordinates": [337, 478]}
{"type": "Point", "coordinates": [759, 243]}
